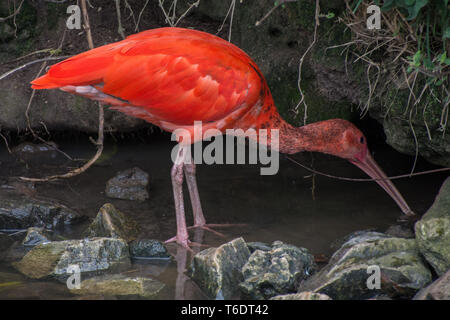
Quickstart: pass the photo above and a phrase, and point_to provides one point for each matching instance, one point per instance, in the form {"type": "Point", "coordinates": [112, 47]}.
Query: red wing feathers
{"type": "Point", "coordinates": [176, 75]}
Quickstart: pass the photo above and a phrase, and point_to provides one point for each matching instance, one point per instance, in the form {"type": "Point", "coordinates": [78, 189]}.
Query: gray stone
{"type": "Point", "coordinates": [302, 296]}
{"type": "Point", "coordinates": [35, 236]}
{"type": "Point", "coordinates": [253, 246]}
{"type": "Point", "coordinates": [217, 271]}
{"type": "Point", "coordinates": [438, 290]}
{"type": "Point", "coordinates": [22, 213]}
{"type": "Point", "coordinates": [121, 287]}
{"type": "Point", "coordinates": [402, 271]}
{"type": "Point", "coordinates": [278, 271]}
{"type": "Point", "coordinates": [28, 151]}
{"type": "Point", "coordinates": [129, 184]}
{"type": "Point", "coordinates": [433, 231]}
{"type": "Point", "coordinates": [92, 256]}
{"type": "Point", "coordinates": [147, 249]}
{"type": "Point", "coordinates": [112, 223]}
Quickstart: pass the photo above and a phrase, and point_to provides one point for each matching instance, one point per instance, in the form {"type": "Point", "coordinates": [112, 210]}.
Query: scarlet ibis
{"type": "Point", "coordinates": [172, 77]}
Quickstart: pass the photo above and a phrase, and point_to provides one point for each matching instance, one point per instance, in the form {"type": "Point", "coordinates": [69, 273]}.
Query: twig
{"type": "Point", "coordinates": [302, 98]}
{"type": "Point", "coordinates": [119, 20]}
{"type": "Point", "coordinates": [101, 120]}
{"type": "Point", "coordinates": [408, 175]}
{"type": "Point", "coordinates": [6, 142]}
{"type": "Point", "coordinates": [281, 2]}
{"type": "Point", "coordinates": [30, 63]}
{"type": "Point", "coordinates": [15, 13]}
{"type": "Point", "coordinates": [87, 26]}
{"type": "Point", "coordinates": [87, 165]}
{"type": "Point", "coordinates": [136, 29]}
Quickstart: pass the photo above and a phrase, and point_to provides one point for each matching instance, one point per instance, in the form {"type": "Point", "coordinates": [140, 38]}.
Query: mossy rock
{"type": "Point", "coordinates": [112, 223]}
{"type": "Point", "coordinates": [433, 231]}
{"type": "Point", "coordinates": [217, 271]}
{"type": "Point", "coordinates": [121, 287]}
{"type": "Point", "coordinates": [402, 271]}
{"type": "Point", "coordinates": [92, 256]}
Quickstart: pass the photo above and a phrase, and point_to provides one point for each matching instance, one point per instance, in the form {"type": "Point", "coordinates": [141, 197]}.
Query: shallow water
{"type": "Point", "coordinates": [280, 207]}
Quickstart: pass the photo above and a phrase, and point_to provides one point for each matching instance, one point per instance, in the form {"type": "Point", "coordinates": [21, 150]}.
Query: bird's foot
{"type": "Point", "coordinates": [209, 226]}
{"type": "Point", "coordinates": [185, 243]}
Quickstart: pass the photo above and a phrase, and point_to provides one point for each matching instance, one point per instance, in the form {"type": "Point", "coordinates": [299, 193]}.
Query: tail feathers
{"type": "Point", "coordinates": [44, 82]}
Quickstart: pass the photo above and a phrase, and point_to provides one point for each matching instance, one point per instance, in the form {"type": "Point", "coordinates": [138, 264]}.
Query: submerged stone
{"type": "Point", "coordinates": [112, 223]}
{"type": "Point", "coordinates": [217, 271]}
{"type": "Point", "coordinates": [278, 271]}
{"type": "Point", "coordinates": [121, 287]}
{"type": "Point", "coordinates": [90, 256]}
{"type": "Point", "coordinates": [35, 236]}
{"type": "Point", "coordinates": [352, 270]}
{"type": "Point", "coordinates": [130, 184]}
{"type": "Point", "coordinates": [22, 213]}
{"type": "Point", "coordinates": [302, 296]}
{"type": "Point", "coordinates": [148, 248]}
{"type": "Point", "coordinates": [433, 231]}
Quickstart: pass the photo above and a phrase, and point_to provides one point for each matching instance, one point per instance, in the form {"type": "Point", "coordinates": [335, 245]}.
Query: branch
{"type": "Point", "coordinates": [15, 13]}
{"type": "Point", "coordinates": [281, 2]}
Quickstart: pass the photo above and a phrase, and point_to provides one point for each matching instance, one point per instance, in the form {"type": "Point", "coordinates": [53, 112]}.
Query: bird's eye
{"type": "Point", "coordinates": [361, 139]}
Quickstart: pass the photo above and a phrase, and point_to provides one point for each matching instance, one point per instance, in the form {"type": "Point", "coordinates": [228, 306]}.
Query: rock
{"type": "Point", "coordinates": [147, 249]}
{"type": "Point", "coordinates": [28, 151]}
{"type": "Point", "coordinates": [433, 231]}
{"type": "Point", "coordinates": [347, 275]}
{"type": "Point", "coordinates": [302, 296]}
{"type": "Point", "coordinates": [438, 290]}
{"type": "Point", "coordinates": [112, 223]}
{"type": "Point", "coordinates": [35, 236]}
{"type": "Point", "coordinates": [22, 213]}
{"type": "Point", "coordinates": [278, 271]}
{"type": "Point", "coordinates": [400, 231]}
{"type": "Point", "coordinates": [129, 184]}
{"type": "Point", "coordinates": [217, 271]}
{"type": "Point", "coordinates": [122, 286]}
{"type": "Point", "coordinates": [92, 256]}
{"type": "Point", "coordinates": [253, 246]}
{"type": "Point", "coordinates": [5, 243]}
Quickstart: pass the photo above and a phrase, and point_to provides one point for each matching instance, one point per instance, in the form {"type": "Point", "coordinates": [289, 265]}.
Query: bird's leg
{"type": "Point", "coordinates": [182, 236]}
{"type": "Point", "coordinates": [189, 171]}
{"type": "Point", "coordinates": [199, 218]}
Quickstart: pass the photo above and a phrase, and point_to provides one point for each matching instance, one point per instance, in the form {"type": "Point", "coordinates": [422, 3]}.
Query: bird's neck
{"type": "Point", "coordinates": [291, 139]}
{"type": "Point", "coordinates": [264, 118]}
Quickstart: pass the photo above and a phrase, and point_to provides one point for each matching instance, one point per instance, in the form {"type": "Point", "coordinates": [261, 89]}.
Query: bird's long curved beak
{"type": "Point", "coordinates": [369, 166]}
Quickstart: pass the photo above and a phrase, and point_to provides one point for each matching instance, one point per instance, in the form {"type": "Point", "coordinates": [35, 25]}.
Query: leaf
{"type": "Point", "coordinates": [388, 5]}
{"type": "Point", "coordinates": [416, 58]}
{"type": "Point", "coordinates": [330, 15]}
{"type": "Point", "coordinates": [442, 57]}
{"type": "Point", "coordinates": [428, 64]}
{"type": "Point", "coordinates": [414, 10]}
{"type": "Point", "coordinates": [446, 33]}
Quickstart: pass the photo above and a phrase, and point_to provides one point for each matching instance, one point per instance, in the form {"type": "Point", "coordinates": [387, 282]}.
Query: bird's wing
{"type": "Point", "coordinates": [177, 79]}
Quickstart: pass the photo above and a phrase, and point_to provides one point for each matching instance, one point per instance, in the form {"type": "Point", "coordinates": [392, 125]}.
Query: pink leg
{"type": "Point", "coordinates": [199, 218]}
{"type": "Point", "coordinates": [182, 236]}
{"type": "Point", "coordinates": [189, 171]}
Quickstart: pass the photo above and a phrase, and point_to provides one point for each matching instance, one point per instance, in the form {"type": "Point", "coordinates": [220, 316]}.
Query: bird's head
{"type": "Point", "coordinates": [343, 139]}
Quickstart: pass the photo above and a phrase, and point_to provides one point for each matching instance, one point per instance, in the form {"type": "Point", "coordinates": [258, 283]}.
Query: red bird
{"type": "Point", "coordinates": [172, 77]}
